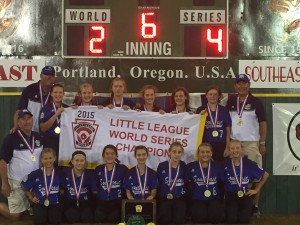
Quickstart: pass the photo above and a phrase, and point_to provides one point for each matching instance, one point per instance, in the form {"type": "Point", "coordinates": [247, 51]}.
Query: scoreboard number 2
{"type": "Point", "coordinates": [97, 40]}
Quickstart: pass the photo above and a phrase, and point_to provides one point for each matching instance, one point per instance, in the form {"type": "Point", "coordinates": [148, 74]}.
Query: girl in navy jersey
{"type": "Point", "coordinates": [141, 181]}
{"type": "Point", "coordinates": [172, 190]}
{"type": "Point", "coordinates": [238, 173]}
{"type": "Point", "coordinates": [77, 185]}
{"type": "Point", "coordinates": [148, 94]}
{"type": "Point", "coordinates": [204, 177]}
{"type": "Point", "coordinates": [117, 99]}
{"type": "Point", "coordinates": [50, 117]}
{"type": "Point", "coordinates": [42, 188]}
{"type": "Point", "coordinates": [180, 101]}
{"type": "Point", "coordinates": [218, 123]}
{"type": "Point", "coordinates": [108, 187]}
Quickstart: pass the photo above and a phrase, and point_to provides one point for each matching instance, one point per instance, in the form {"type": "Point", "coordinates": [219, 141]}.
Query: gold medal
{"type": "Point", "coordinates": [240, 122]}
{"type": "Point", "coordinates": [215, 133]}
{"type": "Point", "coordinates": [240, 194]}
{"type": "Point", "coordinates": [32, 157]}
{"type": "Point", "coordinates": [77, 203]}
{"type": "Point", "coordinates": [207, 193]}
{"type": "Point", "coordinates": [57, 130]}
{"type": "Point", "coordinates": [169, 196]}
{"type": "Point", "coordinates": [46, 202]}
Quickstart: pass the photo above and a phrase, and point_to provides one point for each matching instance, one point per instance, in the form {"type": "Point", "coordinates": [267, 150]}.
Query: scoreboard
{"type": "Point", "coordinates": [155, 29]}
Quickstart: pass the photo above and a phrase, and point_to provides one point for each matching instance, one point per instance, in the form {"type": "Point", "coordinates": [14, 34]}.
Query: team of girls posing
{"type": "Point", "coordinates": [199, 187]}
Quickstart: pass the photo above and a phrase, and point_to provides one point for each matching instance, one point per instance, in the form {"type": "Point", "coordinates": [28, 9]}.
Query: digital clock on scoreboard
{"type": "Point", "coordinates": [165, 29]}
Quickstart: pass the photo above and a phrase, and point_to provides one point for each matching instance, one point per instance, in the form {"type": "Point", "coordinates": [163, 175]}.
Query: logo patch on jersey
{"type": "Point", "coordinates": [42, 115]}
{"type": "Point", "coordinates": [248, 107]}
{"type": "Point", "coordinates": [84, 132]}
{"type": "Point", "coordinates": [37, 143]}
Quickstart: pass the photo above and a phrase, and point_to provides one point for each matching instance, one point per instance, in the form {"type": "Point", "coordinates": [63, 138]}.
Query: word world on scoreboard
{"type": "Point", "coordinates": [162, 29]}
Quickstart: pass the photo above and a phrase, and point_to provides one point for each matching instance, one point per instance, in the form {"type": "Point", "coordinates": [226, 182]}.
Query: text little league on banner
{"type": "Point", "coordinates": [90, 129]}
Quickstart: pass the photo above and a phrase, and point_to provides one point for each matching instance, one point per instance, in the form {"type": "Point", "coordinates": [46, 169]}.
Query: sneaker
{"type": "Point", "coordinates": [255, 211]}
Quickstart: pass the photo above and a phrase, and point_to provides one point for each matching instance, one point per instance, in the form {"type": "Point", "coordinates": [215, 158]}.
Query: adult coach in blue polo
{"type": "Point", "coordinates": [249, 124]}
{"type": "Point", "coordinates": [35, 96]}
{"type": "Point", "coordinates": [19, 156]}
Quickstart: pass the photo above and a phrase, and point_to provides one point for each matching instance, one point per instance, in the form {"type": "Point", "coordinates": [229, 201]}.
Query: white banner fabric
{"type": "Point", "coordinates": [90, 129]}
{"type": "Point", "coordinates": [286, 139]}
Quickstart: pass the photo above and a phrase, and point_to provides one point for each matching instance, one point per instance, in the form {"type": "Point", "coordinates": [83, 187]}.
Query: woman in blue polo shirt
{"type": "Point", "coordinates": [77, 185]}
{"type": "Point", "coordinates": [108, 187]}
{"type": "Point", "coordinates": [238, 173]}
{"type": "Point", "coordinates": [42, 188]}
{"type": "Point", "coordinates": [218, 123]}
{"type": "Point", "coordinates": [204, 177]}
{"type": "Point", "coordinates": [172, 190]}
{"type": "Point", "coordinates": [141, 181]}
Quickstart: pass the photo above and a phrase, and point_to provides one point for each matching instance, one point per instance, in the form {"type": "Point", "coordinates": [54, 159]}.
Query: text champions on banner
{"type": "Point", "coordinates": [90, 129]}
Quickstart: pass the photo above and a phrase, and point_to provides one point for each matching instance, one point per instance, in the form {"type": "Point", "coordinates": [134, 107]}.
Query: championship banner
{"type": "Point", "coordinates": [90, 129]}
{"type": "Point", "coordinates": [286, 139]}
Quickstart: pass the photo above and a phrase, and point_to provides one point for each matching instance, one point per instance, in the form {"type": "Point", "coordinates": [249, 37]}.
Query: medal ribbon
{"type": "Point", "coordinates": [170, 176]}
{"type": "Point", "coordinates": [213, 121]}
{"type": "Point", "coordinates": [77, 191]}
{"type": "Point", "coordinates": [206, 181]}
{"type": "Point", "coordinates": [239, 182]}
{"type": "Point", "coordinates": [145, 108]}
{"type": "Point", "coordinates": [240, 111]}
{"type": "Point", "coordinates": [31, 149]}
{"type": "Point", "coordinates": [108, 186]}
{"type": "Point", "coordinates": [139, 179]}
{"type": "Point", "coordinates": [57, 120]}
{"type": "Point", "coordinates": [41, 96]}
{"type": "Point", "coordinates": [48, 190]}
{"type": "Point", "coordinates": [114, 101]}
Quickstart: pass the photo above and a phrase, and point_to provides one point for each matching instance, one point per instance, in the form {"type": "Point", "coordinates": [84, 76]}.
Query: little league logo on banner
{"type": "Point", "coordinates": [84, 132]}
{"type": "Point", "coordinates": [286, 139]}
{"type": "Point", "coordinates": [90, 129]}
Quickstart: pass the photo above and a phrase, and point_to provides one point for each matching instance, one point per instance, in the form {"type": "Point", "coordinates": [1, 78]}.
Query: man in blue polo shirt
{"type": "Point", "coordinates": [35, 96]}
{"type": "Point", "coordinates": [19, 156]}
{"type": "Point", "coordinates": [249, 124]}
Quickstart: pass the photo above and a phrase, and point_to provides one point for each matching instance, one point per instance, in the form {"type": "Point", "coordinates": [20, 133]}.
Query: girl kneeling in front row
{"type": "Point", "coordinates": [204, 178]}
{"type": "Point", "coordinates": [42, 188]}
{"type": "Point", "coordinates": [172, 190]}
{"type": "Point", "coordinates": [109, 181]}
{"type": "Point", "coordinates": [238, 174]}
{"type": "Point", "coordinates": [77, 185]}
{"type": "Point", "coordinates": [141, 181]}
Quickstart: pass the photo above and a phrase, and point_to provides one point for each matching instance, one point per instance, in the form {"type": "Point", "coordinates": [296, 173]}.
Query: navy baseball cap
{"type": "Point", "coordinates": [23, 112]}
{"type": "Point", "coordinates": [48, 70]}
{"type": "Point", "coordinates": [242, 77]}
